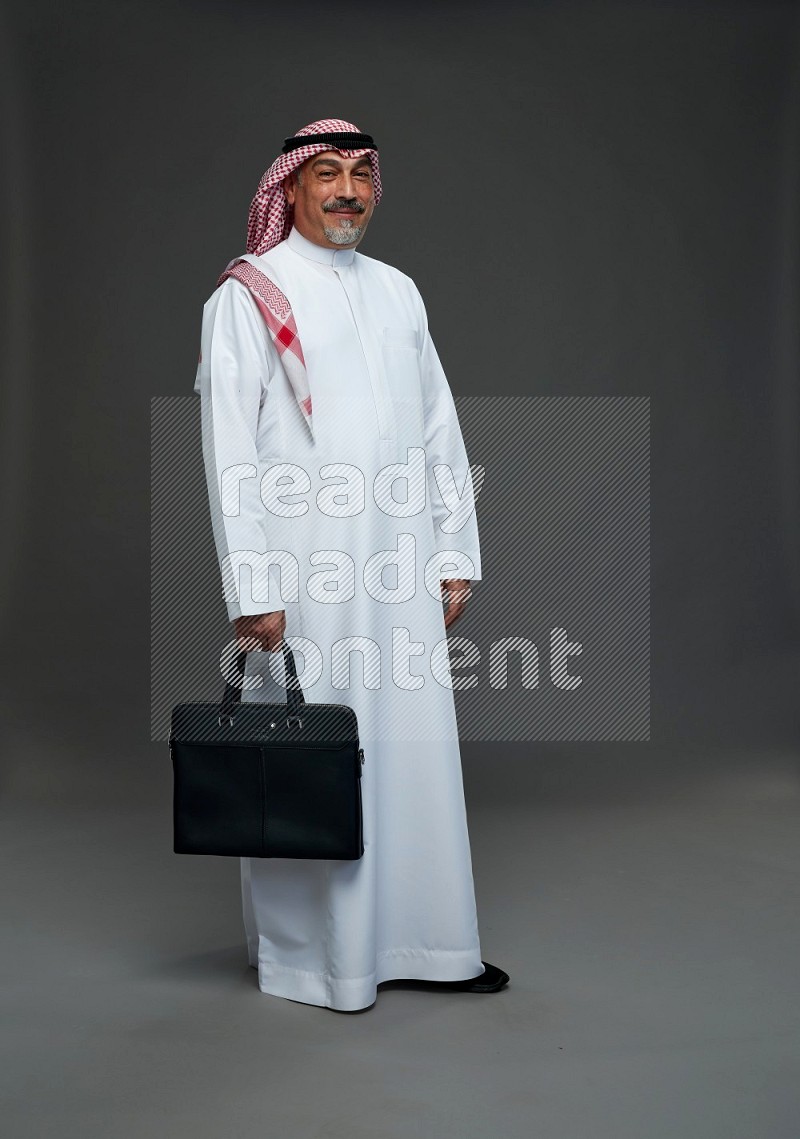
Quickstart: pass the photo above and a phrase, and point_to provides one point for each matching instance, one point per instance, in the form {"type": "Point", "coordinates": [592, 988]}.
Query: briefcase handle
{"type": "Point", "coordinates": [231, 698]}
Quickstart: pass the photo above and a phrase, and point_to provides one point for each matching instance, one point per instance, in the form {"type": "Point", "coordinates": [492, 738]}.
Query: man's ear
{"type": "Point", "coordinates": [289, 188]}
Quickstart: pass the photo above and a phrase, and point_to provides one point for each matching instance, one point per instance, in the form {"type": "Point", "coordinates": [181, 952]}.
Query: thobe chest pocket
{"type": "Point", "coordinates": [401, 361]}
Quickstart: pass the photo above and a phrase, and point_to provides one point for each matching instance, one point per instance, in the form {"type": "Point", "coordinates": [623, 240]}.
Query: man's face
{"type": "Point", "coordinates": [333, 199]}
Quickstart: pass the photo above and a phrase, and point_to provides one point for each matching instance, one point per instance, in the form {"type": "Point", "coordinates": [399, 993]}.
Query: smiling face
{"type": "Point", "coordinates": [333, 199]}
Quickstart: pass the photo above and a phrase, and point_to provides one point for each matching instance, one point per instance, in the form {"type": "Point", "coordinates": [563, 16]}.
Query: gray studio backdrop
{"type": "Point", "coordinates": [594, 200]}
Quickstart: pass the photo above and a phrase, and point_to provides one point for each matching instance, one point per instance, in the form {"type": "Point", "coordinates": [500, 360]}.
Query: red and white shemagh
{"type": "Point", "coordinates": [269, 222]}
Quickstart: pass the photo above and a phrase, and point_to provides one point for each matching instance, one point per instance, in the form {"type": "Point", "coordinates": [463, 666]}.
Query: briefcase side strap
{"type": "Point", "coordinates": [232, 696]}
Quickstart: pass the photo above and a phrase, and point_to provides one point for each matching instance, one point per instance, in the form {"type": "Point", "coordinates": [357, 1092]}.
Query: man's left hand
{"type": "Point", "coordinates": [457, 591]}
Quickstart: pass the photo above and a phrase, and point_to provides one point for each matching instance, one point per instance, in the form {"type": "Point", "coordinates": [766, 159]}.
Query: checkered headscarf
{"type": "Point", "coordinates": [270, 218]}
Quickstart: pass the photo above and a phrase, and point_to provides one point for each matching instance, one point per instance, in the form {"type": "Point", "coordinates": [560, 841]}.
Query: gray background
{"type": "Point", "coordinates": [593, 199]}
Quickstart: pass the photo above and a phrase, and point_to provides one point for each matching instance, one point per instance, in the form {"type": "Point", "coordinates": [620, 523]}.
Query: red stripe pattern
{"type": "Point", "coordinates": [278, 316]}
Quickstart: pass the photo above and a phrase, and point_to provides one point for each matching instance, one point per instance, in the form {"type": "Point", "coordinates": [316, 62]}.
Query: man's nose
{"type": "Point", "coordinates": [347, 186]}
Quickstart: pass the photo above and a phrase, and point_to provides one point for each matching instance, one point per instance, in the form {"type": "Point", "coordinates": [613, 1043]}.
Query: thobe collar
{"type": "Point", "coordinates": [321, 253]}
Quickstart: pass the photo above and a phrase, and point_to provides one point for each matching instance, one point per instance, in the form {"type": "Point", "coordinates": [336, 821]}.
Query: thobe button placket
{"type": "Point", "coordinates": [374, 367]}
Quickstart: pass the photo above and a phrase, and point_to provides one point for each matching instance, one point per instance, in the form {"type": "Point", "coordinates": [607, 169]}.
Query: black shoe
{"type": "Point", "coordinates": [491, 980]}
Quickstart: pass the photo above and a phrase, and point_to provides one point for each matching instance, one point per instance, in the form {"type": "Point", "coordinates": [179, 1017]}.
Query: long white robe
{"type": "Point", "coordinates": [328, 932]}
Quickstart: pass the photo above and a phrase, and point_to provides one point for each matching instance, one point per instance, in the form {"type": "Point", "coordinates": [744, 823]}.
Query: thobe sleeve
{"type": "Point", "coordinates": [233, 375]}
{"type": "Point", "coordinates": [444, 446]}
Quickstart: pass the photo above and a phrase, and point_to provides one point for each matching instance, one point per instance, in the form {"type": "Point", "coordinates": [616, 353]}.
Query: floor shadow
{"type": "Point", "coordinates": [228, 961]}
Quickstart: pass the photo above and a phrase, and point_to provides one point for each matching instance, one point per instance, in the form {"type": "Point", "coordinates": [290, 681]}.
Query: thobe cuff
{"type": "Point", "coordinates": [251, 599]}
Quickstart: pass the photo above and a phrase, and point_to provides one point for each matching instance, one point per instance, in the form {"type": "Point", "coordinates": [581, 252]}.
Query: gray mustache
{"type": "Point", "coordinates": [345, 205]}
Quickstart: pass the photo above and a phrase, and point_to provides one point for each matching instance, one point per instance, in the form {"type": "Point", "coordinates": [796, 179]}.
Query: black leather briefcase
{"type": "Point", "coordinates": [267, 780]}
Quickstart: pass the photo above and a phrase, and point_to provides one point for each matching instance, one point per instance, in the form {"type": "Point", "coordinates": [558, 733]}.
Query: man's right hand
{"type": "Point", "coordinates": [267, 628]}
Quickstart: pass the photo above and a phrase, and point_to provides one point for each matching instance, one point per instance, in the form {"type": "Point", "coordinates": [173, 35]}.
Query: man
{"type": "Point", "coordinates": [330, 437]}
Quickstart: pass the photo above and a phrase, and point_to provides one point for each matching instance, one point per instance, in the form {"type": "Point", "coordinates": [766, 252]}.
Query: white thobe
{"type": "Point", "coordinates": [327, 932]}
